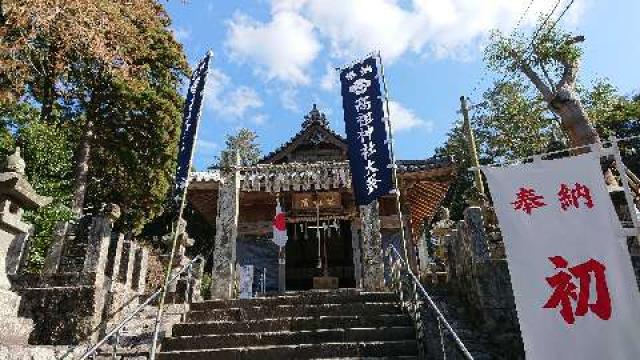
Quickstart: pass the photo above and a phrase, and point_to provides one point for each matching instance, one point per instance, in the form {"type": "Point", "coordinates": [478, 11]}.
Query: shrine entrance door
{"type": "Point", "coordinates": [303, 262]}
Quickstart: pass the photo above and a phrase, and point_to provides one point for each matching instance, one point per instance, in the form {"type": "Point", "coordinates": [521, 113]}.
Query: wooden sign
{"type": "Point", "coordinates": [308, 201]}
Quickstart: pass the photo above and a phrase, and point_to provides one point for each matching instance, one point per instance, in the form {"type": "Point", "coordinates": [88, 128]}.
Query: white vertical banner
{"type": "Point", "coordinates": [246, 281]}
{"type": "Point", "coordinates": [575, 289]}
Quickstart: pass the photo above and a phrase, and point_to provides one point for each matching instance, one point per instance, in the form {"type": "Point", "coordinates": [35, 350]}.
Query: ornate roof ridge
{"type": "Point", "coordinates": [314, 117]}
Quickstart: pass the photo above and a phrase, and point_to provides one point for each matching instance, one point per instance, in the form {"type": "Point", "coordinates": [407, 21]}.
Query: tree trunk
{"type": "Point", "coordinates": [575, 121]}
{"type": "Point", "coordinates": [82, 169]}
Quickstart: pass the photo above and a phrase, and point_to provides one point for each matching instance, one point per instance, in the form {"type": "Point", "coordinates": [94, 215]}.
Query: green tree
{"type": "Point", "coordinates": [513, 122]}
{"type": "Point", "coordinates": [549, 59]}
{"type": "Point", "coordinates": [244, 144]}
{"type": "Point", "coordinates": [111, 70]}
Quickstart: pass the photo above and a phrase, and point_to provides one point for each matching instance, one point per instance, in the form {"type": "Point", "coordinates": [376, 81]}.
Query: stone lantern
{"type": "Point", "coordinates": [16, 195]}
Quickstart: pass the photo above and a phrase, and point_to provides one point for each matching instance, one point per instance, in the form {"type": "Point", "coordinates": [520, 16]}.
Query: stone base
{"type": "Point", "coordinates": [32, 352]}
{"type": "Point", "coordinates": [325, 282]}
{"type": "Point", "coordinates": [15, 330]}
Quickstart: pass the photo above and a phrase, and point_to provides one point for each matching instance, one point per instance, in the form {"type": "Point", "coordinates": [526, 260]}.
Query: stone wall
{"type": "Point", "coordinates": [92, 279]}
{"type": "Point", "coordinates": [482, 284]}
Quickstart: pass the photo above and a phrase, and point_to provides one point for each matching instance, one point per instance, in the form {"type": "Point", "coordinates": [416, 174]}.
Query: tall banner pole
{"type": "Point", "coordinates": [393, 159]}
{"type": "Point", "coordinates": [188, 139]}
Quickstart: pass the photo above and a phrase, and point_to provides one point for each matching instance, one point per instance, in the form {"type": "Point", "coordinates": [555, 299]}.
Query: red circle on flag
{"type": "Point", "coordinates": [279, 222]}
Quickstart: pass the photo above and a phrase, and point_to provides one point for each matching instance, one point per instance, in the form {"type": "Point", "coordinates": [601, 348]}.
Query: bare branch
{"type": "Point", "coordinates": [546, 92]}
{"type": "Point", "coordinates": [570, 73]}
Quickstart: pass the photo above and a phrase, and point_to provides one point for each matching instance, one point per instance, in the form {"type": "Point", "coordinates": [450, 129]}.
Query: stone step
{"type": "Point", "coordinates": [279, 311]}
{"type": "Point", "coordinates": [319, 336]}
{"type": "Point", "coordinates": [302, 351]}
{"type": "Point", "coordinates": [290, 324]}
{"type": "Point", "coordinates": [372, 358]}
{"type": "Point", "coordinates": [295, 299]}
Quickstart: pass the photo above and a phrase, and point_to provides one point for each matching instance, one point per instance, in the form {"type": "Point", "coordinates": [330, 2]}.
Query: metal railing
{"type": "Point", "coordinates": [115, 333]}
{"type": "Point", "coordinates": [423, 311]}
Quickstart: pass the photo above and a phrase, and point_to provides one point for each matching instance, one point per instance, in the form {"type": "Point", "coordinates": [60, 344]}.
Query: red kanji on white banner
{"type": "Point", "coordinates": [575, 289]}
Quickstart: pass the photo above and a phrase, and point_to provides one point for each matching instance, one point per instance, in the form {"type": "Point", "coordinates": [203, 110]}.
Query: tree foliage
{"type": "Point", "coordinates": [244, 143]}
{"type": "Point", "coordinates": [95, 75]}
{"type": "Point", "coordinates": [109, 72]}
{"type": "Point", "coordinates": [513, 122]}
{"type": "Point", "coordinates": [550, 60]}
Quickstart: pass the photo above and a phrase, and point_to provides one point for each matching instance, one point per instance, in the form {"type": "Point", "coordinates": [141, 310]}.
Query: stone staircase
{"type": "Point", "coordinates": [476, 342]}
{"type": "Point", "coordinates": [341, 324]}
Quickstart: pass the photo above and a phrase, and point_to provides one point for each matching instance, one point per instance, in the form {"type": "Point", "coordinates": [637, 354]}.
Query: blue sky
{"type": "Point", "coordinates": [274, 59]}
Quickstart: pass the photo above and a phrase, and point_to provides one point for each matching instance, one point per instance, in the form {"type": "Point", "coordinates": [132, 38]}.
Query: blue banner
{"type": "Point", "coordinates": [190, 119]}
{"type": "Point", "coordinates": [366, 131]}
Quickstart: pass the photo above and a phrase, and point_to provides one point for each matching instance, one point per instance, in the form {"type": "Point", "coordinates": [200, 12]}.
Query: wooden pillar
{"type": "Point", "coordinates": [224, 255]}
{"type": "Point", "coordinates": [372, 257]}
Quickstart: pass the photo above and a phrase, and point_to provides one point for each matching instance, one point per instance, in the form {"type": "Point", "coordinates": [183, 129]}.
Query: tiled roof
{"type": "Point", "coordinates": [314, 117]}
{"type": "Point", "coordinates": [423, 165]}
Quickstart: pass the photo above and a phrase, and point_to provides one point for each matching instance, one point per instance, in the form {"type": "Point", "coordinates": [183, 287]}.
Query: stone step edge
{"type": "Point", "coordinates": [296, 318]}
{"type": "Point", "coordinates": [296, 297]}
{"type": "Point", "coordinates": [293, 347]}
{"type": "Point", "coordinates": [288, 332]}
{"type": "Point", "coordinates": [401, 357]}
{"type": "Point", "coordinates": [296, 306]}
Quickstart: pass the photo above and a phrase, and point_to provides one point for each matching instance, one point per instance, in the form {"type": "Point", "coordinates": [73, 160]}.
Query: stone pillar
{"type": "Point", "coordinates": [357, 264]}
{"type": "Point", "coordinates": [224, 255]}
{"type": "Point", "coordinates": [16, 194]}
{"type": "Point", "coordinates": [140, 271]}
{"type": "Point", "coordinates": [52, 261]}
{"type": "Point", "coordinates": [372, 257]}
{"type": "Point", "coordinates": [127, 261]}
{"type": "Point", "coordinates": [476, 234]}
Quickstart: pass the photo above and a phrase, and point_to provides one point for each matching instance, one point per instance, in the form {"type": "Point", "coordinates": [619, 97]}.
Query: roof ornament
{"type": "Point", "coordinates": [315, 116]}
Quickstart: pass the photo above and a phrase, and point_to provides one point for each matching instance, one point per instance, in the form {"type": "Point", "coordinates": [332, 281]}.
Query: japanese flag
{"type": "Point", "coordinates": [279, 227]}
{"type": "Point", "coordinates": [573, 282]}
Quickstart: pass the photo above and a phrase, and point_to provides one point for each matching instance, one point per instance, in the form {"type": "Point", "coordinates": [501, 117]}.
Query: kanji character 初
{"type": "Point", "coordinates": [350, 75]}
{"type": "Point", "coordinates": [564, 293]}
{"type": "Point", "coordinates": [365, 133]}
{"type": "Point", "coordinates": [360, 86]}
{"type": "Point", "coordinates": [372, 184]}
{"type": "Point", "coordinates": [527, 200]}
{"type": "Point", "coordinates": [364, 119]}
{"type": "Point", "coordinates": [569, 197]}
{"type": "Point", "coordinates": [363, 103]}
{"type": "Point", "coordinates": [365, 69]}
{"type": "Point", "coordinates": [367, 150]}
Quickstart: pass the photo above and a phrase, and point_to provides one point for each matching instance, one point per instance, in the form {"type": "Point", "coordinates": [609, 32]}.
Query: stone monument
{"type": "Point", "coordinates": [16, 195]}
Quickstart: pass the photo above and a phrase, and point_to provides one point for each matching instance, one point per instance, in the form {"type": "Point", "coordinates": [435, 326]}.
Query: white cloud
{"type": "Point", "coordinates": [283, 48]}
{"type": "Point", "coordinates": [228, 100]}
{"type": "Point", "coordinates": [440, 27]}
{"type": "Point", "coordinates": [206, 148]}
{"type": "Point", "coordinates": [181, 34]}
{"type": "Point", "coordinates": [288, 99]}
{"type": "Point", "coordinates": [206, 144]}
{"type": "Point", "coordinates": [241, 100]}
{"type": "Point", "coordinates": [330, 78]}
{"type": "Point", "coordinates": [286, 45]}
{"type": "Point", "coordinates": [260, 119]}
{"type": "Point", "coordinates": [403, 119]}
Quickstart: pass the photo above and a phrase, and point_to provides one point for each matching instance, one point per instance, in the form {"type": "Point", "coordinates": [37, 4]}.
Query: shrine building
{"type": "Point", "coordinates": [328, 234]}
